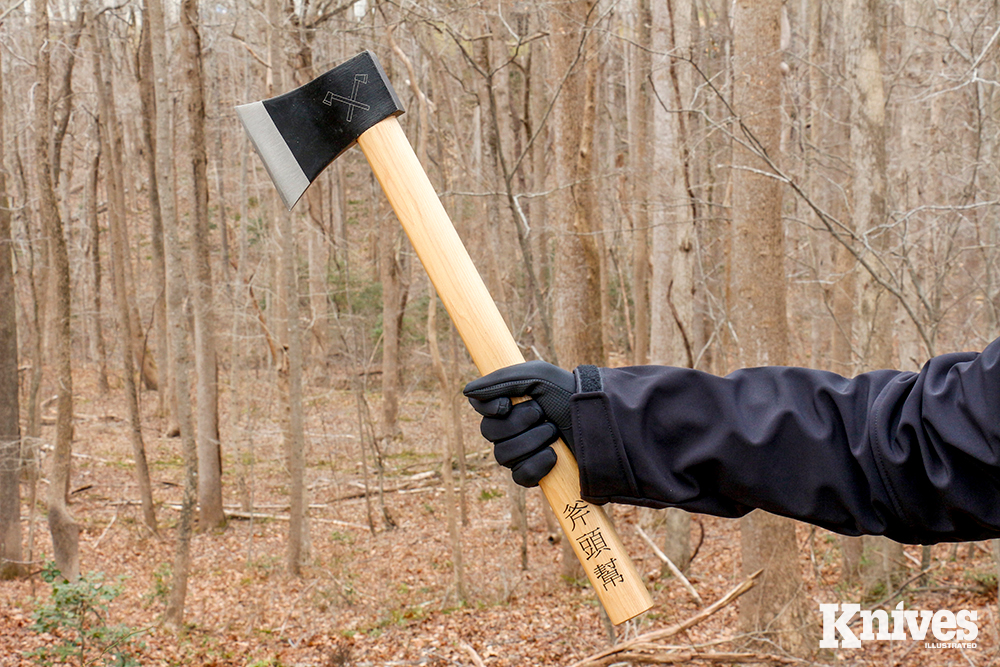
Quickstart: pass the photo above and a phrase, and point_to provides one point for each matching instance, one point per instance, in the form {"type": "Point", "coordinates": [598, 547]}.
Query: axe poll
{"type": "Point", "coordinates": [297, 135]}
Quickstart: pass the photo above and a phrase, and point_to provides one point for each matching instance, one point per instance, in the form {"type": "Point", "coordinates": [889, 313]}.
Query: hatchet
{"type": "Point", "coordinates": [297, 135]}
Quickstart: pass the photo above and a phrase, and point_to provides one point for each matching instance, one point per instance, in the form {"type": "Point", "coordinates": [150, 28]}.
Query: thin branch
{"type": "Point", "coordinates": [670, 564]}
{"type": "Point", "coordinates": [666, 633]}
{"type": "Point", "coordinates": [7, 13]}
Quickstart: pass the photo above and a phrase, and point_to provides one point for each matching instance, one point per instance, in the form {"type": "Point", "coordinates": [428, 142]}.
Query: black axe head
{"type": "Point", "coordinates": [299, 133]}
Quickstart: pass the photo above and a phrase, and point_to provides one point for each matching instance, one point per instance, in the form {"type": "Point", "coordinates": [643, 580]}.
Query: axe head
{"type": "Point", "coordinates": [299, 133]}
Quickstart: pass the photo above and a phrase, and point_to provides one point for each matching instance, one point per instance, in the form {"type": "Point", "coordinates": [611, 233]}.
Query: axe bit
{"type": "Point", "coordinates": [297, 135]}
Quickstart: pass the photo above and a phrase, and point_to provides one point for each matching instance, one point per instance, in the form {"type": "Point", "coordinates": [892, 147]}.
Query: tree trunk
{"type": "Point", "coordinates": [449, 445]}
{"type": "Point", "coordinates": [115, 186]}
{"type": "Point", "coordinates": [392, 299]}
{"type": "Point", "coordinates": [65, 531]}
{"type": "Point", "coordinates": [577, 305]}
{"type": "Point", "coordinates": [758, 300]}
{"type": "Point", "coordinates": [318, 234]}
{"type": "Point", "coordinates": [498, 177]}
{"type": "Point", "coordinates": [577, 326]}
{"type": "Point", "coordinates": [177, 320]}
{"type": "Point", "coordinates": [98, 348]}
{"type": "Point", "coordinates": [840, 291]}
{"type": "Point", "coordinates": [288, 295]}
{"type": "Point", "coordinates": [147, 97]}
{"type": "Point", "coordinates": [10, 427]}
{"type": "Point", "coordinates": [882, 558]}
{"type": "Point", "coordinates": [639, 128]}
{"type": "Point", "coordinates": [673, 249]}
{"type": "Point", "coordinates": [36, 322]}
{"type": "Point", "coordinates": [63, 104]}
{"type": "Point", "coordinates": [318, 303]}
{"type": "Point", "coordinates": [392, 274]}
{"type": "Point", "coordinates": [209, 454]}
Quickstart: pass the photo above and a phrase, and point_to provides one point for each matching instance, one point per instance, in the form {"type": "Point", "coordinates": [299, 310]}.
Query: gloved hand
{"type": "Point", "coordinates": [522, 433]}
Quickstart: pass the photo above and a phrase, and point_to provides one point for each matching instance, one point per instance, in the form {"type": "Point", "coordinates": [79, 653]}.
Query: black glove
{"type": "Point", "coordinates": [521, 434]}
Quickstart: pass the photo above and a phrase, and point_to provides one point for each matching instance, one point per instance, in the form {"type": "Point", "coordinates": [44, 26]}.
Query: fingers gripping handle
{"type": "Point", "coordinates": [411, 195]}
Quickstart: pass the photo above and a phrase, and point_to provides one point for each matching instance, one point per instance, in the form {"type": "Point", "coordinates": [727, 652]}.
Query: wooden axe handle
{"type": "Point", "coordinates": [411, 195]}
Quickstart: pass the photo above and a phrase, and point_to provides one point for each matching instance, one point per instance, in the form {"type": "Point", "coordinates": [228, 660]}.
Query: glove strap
{"type": "Point", "coordinates": [588, 379]}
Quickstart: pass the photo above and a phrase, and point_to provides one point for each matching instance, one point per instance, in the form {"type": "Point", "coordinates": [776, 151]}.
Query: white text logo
{"type": "Point", "coordinates": [944, 625]}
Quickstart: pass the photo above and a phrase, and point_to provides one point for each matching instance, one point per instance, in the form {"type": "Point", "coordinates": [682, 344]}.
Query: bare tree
{"type": "Point", "coordinates": [147, 98]}
{"type": "Point", "coordinates": [177, 321]}
{"type": "Point", "coordinates": [394, 296]}
{"type": "Point", "coordinates": [758, 306]}
{"type": "Point", "coordinates": [576, 310]}
{"type": "Point", "coordinates": [639, 129]}
{"type": "Point", "coordinates": [209, 452]}
{"type": "Point", "coordinates": [65, 531]}
{"type": "Point", "coordinates": [115, 186]}
{"type": "Point", "coordinates": [99, 350]}
{"type": "Point", "coordinates": [290, 372]}
{"type": "Point", "coordinates": [10, 426]}
{"type": "Point", "coordinates": [672, 218]}
{"type": "Point", "coordinates": [869, 188]}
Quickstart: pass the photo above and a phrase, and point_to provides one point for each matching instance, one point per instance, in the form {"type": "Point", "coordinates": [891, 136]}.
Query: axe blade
{"type": "Point", "coordinates": [299, 133]}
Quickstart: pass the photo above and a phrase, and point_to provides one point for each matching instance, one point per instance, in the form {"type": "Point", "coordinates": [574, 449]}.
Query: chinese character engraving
{"type": "Point", "coordinates": [593, 543]}
{"type": "Point", "coordinates": [577, 511]}
{"type": "Point", "coordinates": [352, 101]}
{"type": "Point", "coordinates": [608, 573]}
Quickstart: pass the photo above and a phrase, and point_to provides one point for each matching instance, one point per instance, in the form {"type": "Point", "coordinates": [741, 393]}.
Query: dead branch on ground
{"type": "Point", "coordinates": [648, 648]}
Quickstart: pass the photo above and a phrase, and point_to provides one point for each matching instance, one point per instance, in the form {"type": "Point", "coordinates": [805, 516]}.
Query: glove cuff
{"type": "Point", "coordinates": [605, 471]}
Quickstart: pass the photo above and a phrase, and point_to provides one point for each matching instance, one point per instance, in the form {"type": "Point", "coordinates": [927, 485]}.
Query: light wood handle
{"type": "Point", "coordinates": [411, 195]}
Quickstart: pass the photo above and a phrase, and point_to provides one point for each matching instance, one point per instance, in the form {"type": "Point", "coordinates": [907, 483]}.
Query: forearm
{"type": "Point", "coordinates": [911, 456]}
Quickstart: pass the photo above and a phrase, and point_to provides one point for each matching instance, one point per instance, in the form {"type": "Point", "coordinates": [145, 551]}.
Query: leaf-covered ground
{"type": "Point", "coordinates": [387, 598]}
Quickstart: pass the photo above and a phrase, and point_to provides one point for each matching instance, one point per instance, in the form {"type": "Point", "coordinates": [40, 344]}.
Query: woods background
{"type": "Point", "coordinates": [697, 183]}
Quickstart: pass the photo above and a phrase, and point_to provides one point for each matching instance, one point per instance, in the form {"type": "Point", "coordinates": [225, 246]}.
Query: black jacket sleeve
{"type": "Point", "coordinates": [913, 456]}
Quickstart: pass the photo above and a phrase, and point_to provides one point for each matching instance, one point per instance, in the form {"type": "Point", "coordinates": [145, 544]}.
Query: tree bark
{"type": "Point", "coordinates": [673, 248]}
{"type": "Point", "coordinates": [577, 325]}
{"type": "Point", "coordinates": [639, 129]}
{"type": "Point", "coordinates": [98, 348]}
{"type": "Point", "coordinates": [395, 291]}
{"type": "Point", "coordinates": [758, 301]}
{"type": "Point", "coordinates": [63, 104]}
{"type": "Point", "coordinates": [206, 367]}
{"type": "Point", "coordinates": [390, 270]}
{"type": "Point", "coordinates": [177, 320]}
{"type": "Point", "coordinates": [10, 426]}
{"type": "Point", "coordinates": [882, 558]}
{"type": "Point", "coordinates": [147, 96]}
{"type": "Point", "coordinates": [577, 305]}
{"type": "Point", "coordinates": [290, 374]}
{"type": "Point", "coordinates": [65, 531]}
{"type": "Point", "coordinates": [115, 186]}
{"type": "Point", "coordinates": [449, 444]}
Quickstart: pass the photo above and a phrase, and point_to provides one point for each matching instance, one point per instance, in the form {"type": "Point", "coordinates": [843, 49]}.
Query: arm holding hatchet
{"type": "Point", "coordinates": [913, 456]}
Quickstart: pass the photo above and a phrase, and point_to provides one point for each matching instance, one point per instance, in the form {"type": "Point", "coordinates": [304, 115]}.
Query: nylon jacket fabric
{"type": "Point", "coordinates": [913, 456]}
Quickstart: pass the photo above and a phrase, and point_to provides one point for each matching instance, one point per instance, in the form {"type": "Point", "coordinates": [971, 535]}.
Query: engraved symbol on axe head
{"type": "Point", "coordinates": [352, 101]}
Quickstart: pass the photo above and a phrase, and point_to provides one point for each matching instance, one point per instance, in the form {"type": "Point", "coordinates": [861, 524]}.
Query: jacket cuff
{"type": "Point", "coordinates": [605, 472]}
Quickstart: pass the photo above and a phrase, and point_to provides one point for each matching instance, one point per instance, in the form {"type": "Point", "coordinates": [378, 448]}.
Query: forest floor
{"type": "Point", "coordinates": [387, 598]}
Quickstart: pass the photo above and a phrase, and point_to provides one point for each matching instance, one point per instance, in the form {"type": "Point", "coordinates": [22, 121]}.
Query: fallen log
{"type": "Point", "coordinates": [240, 514]}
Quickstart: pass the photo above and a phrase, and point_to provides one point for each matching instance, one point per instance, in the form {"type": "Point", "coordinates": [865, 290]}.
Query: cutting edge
{"type": "Point", "coordinates": [278, 159]}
